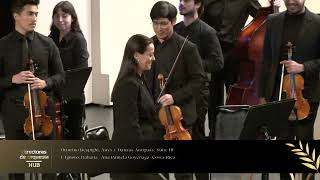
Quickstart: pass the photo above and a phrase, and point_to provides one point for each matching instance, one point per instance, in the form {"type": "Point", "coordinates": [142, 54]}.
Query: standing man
{"type": "Point", "coordinates": [188, 75]}
{"type": "Point", "coordinates": [302, 28]}
{"type": "Point", "coordinates": [228, 18]}
{"type": "Point", "coordinates": [16, 49]}
{"type": "Point", "coordinates": [210, 51]}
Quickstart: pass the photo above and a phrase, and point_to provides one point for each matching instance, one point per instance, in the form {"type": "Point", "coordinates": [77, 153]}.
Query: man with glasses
{"type": "Point", "coordinates": [188, 75]}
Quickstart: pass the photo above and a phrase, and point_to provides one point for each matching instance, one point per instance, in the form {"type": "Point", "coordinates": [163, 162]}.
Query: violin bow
{"type": "Point", "coordinates": [172, 68]}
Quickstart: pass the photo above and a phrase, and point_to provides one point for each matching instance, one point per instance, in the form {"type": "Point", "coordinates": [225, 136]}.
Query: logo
{"type": "Point", "coordinates": [34, 158]}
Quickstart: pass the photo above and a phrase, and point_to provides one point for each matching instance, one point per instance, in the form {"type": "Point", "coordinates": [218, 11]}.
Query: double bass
{"type": "Point", "coordinates": [248, 48]}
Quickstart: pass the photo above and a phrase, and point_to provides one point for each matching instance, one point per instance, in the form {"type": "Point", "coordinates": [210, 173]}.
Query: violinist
{"type": "Point", "coordinates": [188, 75]}
{"type": "Point", "coordinates": [16, 49]}
{"type": "Point", "coordinates": [300, 27]}
{"type": "Point", "coordinates": [135, 116]}
{"type": "Point", "coordinates": [14, 72]}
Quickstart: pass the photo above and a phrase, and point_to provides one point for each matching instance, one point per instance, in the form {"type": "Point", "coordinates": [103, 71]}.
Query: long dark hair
{"type": "Point", "coordinates": [68, 8]}
{"type": "Point", "coordinates": [136, 43]}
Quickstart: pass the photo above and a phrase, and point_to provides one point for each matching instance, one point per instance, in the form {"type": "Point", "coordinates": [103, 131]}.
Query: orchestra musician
{"type": "Point", "coordinates": [302, 28]}
{"type": "Point", "coordinates": [227, 17]}
{"type": "Point", "coordinates": [135, 116]}
{"type": "Point", "coordinates": [210, 51]}
{"type": "Point", "coordinates": [16, 49]}
{"type": "Point", "coordinates": [188, 75]}
{"type": "Point", "coordinates": [68, 37]}
{"type": "Point", "coordinates": [14, 73]}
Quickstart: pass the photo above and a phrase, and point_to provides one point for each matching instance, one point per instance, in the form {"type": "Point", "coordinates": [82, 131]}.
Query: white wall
{"type": "Point", "coordinates": [312, 5]}
{"type": "Point", "coordinates": [120, 20]}
{"type": "Point", "coordinates": [117, 22]}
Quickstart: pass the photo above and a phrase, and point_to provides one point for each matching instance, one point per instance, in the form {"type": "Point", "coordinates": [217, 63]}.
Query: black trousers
{"type": "Point", "coordinates": [226, 77]}
{"type": "Point", "coordinates": [216, 98]}
{"type": "Point", "coordinates": [14, 114]}
{"type": "Point", "coordinates": [74, 111]}
{"type": "Point", "coordinates": [198, 130]}
{"type": "Point", "coordinates": [303, 130]}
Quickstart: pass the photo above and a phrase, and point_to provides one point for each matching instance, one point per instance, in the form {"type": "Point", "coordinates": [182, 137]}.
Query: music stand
{"type": "Point", "coordinates": [76, 80]}
{"type": "Point", "coordinates": [270, 118]}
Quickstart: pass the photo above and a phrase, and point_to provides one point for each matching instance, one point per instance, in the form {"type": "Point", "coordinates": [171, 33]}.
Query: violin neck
{"type": "Point", "coordinates": [35, 102]}
{"type": "Point", "coordinates": [293, 85]}
{"type": "Point", "coordinates": [168, 114]}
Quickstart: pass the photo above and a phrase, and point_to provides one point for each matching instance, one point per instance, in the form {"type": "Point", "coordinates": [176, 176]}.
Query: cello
{"type": "Point", "coordinates": [248, 48]}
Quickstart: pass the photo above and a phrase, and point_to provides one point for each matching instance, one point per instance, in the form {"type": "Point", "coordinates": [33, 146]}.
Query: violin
{"type": "Point", "coordinates": [37, 122]}
{"type": "Point", "coordinates": [170, 117]}
{"type": "Point", "coordinates": [293, 84]}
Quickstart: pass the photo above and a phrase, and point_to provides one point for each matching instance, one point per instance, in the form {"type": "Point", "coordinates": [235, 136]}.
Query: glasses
{"type": "Point", "coordinates": [160, 24]}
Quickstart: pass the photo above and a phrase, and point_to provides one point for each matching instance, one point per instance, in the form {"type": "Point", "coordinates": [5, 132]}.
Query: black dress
{"type": "Point", "coordinates": [135, 119]}
{"type": "Point", "coordinates": [74, 55]}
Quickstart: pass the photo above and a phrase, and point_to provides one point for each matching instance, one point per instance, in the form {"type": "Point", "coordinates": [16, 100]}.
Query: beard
{"type": "Point", "coordinates": [189, 13]}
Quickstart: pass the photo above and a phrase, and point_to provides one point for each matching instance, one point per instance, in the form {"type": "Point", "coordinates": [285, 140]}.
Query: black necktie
{"type": "Point", "coordinates": [25, 53]}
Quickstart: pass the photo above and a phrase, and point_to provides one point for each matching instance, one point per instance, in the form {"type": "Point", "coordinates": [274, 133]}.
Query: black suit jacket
{"type": "Point", "coordinates": [228, 17]}
{"type": "Point", "coordinates": [135, 116]}
{"type": "Point", "coordinates": [187, 78]}
{"type": "Point", "coordinates": [307, 52]}
{"type": "Point", "coordinates": [205, 37]}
